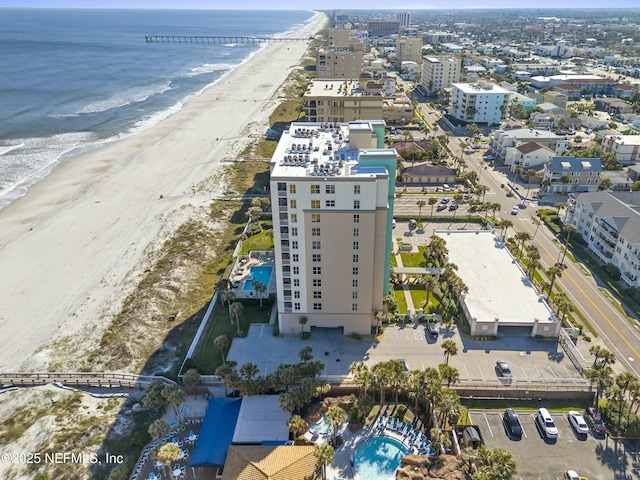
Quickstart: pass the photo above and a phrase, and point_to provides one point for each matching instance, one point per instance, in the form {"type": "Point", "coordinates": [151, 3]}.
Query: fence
{"type": "Point", "coordinates": [90, 379]}
{"type": "Point", "coordinates": [572, 351]}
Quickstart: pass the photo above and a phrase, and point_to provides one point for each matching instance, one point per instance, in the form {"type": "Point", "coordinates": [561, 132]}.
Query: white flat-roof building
{"type": "Point", "coordinates": [500, 293]}
{"type": "Point", "coordinates": [440, 72]}
{"type": "Point", "coordinates": [332, 191]}
{"type": "Point", "coordinates": [480, 102]}
{"type": "Point", "coordinates": [503, 144]}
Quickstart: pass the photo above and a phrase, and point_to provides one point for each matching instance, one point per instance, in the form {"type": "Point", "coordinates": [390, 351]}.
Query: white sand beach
{"type": "Point", "coordinates": [71, 249]}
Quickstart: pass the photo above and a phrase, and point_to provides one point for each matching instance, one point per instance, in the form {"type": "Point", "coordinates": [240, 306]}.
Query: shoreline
{"type": "Point", "coordinates": [74, 244]}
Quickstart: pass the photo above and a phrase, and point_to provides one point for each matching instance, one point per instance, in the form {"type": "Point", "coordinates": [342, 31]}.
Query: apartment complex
{"type": "Point", "coordinates": [479, 102]}
{"type": "Point", "coordinates": [338, 37]}
{"type": "Point", "coordinates": [404, 19]}
{"type": "Point", "coordinates": [626, 148]}
{"type": "Point", "coordinates": [440, 72]}
{"type": "Point", "coordinates": [570, 174]}
{"type": "Point", "coordinates": [610, 224]}
{"type": "Point", "coordinates": [408, 49]}
{"type": "Point", "coordinates": [340, 101]}
{"type": "Point", "coordinates": [503, 144]}
{"type": "Point", "coordinates": [383, 28]}
{"type": "Point", "coordinates": [339, 63]}
{"type": "Point", "coordinates": [333, 187]}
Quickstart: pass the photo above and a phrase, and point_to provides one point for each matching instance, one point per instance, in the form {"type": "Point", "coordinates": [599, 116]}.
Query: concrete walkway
{"type": "Point", "coordinates": [405, 287]}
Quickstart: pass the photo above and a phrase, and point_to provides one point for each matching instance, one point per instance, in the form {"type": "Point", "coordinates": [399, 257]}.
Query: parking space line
{"type": "Point", "coordinates": [465, 369]}
{"type": "Point", "coordinates": [525, 373]}
{"type": "Point", "coordinates": [487, 422]}
{"type": "Point", "coordinates": [539, 373]}
{"type": "Point", "coordinates": [552, 372]}
{"type": "Point", "coordinates": [480, 370]}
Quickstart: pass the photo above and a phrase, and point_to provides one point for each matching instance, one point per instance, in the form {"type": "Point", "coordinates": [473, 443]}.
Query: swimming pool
{"type": "Point", "coordinates": [321, 426]}
{"type": "Point", "coordinates": [262, 274]}
{"type": "Point", "coordinates": [378, 458]}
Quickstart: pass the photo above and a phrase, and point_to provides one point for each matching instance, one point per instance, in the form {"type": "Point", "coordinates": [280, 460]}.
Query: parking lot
{"type": "Point", "coordinates": [540, 458]}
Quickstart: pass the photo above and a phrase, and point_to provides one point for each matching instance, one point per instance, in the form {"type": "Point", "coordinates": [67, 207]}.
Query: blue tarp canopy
{"type": "Point", "coordinates": [216, 433]}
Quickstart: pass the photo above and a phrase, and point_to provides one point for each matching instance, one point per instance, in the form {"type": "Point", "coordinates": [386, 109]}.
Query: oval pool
{"type": "Point", "coordinates": [378, 458]}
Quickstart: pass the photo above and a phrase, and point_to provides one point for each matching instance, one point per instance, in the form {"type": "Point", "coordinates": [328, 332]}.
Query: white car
{"type": "Point", "coordinates": [571, 475]}
{"type": "Point", "coordinates": [577, 422]}
{"type": "Point", "coordinates": [515, 210]}
{"type": "Point", "coordinates": [546, 423]}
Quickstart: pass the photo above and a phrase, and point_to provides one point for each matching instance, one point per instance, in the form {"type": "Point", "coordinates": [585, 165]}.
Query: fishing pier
{"type": "Point", "coordinates": [215, 39]}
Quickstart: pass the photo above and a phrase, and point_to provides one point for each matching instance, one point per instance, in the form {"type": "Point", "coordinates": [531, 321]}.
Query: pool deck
{"type": "Point", "coordinates": [342, 467]}
{"type": "Point", "coordinates": [240, 275]}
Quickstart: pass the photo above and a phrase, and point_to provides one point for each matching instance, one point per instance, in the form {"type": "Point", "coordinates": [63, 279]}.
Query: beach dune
{"type": "Point", "coordinates": [69, 249]}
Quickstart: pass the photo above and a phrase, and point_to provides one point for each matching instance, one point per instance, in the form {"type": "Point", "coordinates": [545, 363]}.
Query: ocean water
{"type": "Point", "coordinates": [74, 79]}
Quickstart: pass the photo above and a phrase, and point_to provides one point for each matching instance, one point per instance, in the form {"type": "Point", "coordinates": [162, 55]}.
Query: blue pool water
{"type": "Point", "coordinates": [321, 426]}
{"type": "Point", "coordinates": [378, 458]}
{"type": "Point", "coordinates": [262, 274]}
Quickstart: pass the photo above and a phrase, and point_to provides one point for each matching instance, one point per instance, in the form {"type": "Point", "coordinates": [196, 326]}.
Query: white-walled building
{"type": "Point", "coordinates": [479, 102]}
{"type": "Point", "coordinates": [333, 188]}
{"type": "Point", "coordinates": [339, 63]}
{"type": "Point", "coordinates": [610, 224]}
{"type": "Point", "coordinates": [408, 49]}
{"type": "Point", "coordinates": [626, 148]}
{"type": "Point", "coordinates": [440, 72]}
{"type": "Point", "coordinates": [503, 143]}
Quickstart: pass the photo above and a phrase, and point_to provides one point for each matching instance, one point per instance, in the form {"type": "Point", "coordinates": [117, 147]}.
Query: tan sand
{"type": "Point", "coordinates": [71, 248]}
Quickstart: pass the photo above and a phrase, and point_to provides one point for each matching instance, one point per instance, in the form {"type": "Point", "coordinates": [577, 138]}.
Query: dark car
{"type": "Point", "coordinates": [594, 420]}
{"type": "Point", "coordinates": [512, 422]}
{"type": "Point", "coordinates": [432, 329]}
{"type": "Point", "coordinates": [453, 207]}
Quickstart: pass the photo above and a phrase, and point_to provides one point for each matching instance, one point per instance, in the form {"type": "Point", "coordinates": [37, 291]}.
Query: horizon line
{"type": "Point", "coordinates": [314, 9]}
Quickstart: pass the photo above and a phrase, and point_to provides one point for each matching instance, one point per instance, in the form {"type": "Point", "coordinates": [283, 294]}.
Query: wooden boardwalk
{"type": "Point", "coordinates": [216, 39]}
{"type": "Point", "coordinates": [90, 379]}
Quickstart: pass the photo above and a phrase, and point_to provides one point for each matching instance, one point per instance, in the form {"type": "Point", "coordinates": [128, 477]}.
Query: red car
{"type": "Point", "coordinates": [595, 421]}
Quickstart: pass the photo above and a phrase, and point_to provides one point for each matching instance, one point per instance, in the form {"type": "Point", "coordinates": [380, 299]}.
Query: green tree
{"type": "Point", "coordinates": [297, 425]}
{"type": "Point", "coordinates": [440, 440]}
{"type": "Point", "coordinates": [420, 204]}
{"type": "Point", "coordinates": [335, 416]}
{"type": "Point", "coordinates": [154, 399]}
{"type": "Point", "coordinates": [521, 237]}
{"type": "Point", "coordinates": [568, 229]}
{"type": "Point", "coordinates": [449, 374]}
{"type": "Point", "coordinates": [192, 377]}
{"type": "Point", "coordinates": [227, 297]}
{"type": "Point", "coordinates": [605, 183]}
{"type": "Point", "coordinates": [563, 304]}
{"type": "Point", "coordinates": [603, 378]}
{"type": "Point", "coordinates": [324, 454]}
{"type": "Point", "coordinates": [531, 174]}
{"type": "Point", "coordinates": [169, 453]}
{"type": "Point", "coordinates": [430, 285]}
{"type": "Point", "coordinates": [362, 376]}
{"type": "Point", "coordinates": [494, 464]}
{"type": "Point", "coordinates": [450, 347]}
{"type": "Point", "coordinates": [175, 396]}
{"type": "Point", "coordinates": [236, 309]}
{"type": "Point", "coordinates": [260, 289]}
{"type": "Point", "coordinates": [432, 202]}
{"type": "Point", "coordinates": [221, 342]}
{"type": "Point", "coordinates": [306, 354]}
{"type": "Point", "coordinates": [302, 321]}
{"type": "Point", "coordinates": [553, 273]}
{"type": "Point", "coordinates": [159, 428]}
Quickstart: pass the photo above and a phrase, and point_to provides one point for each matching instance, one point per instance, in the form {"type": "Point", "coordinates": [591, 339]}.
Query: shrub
{"type": "Point", "coordinates": [400, 411]}
{"type": "Point", "coordinates": [612, 271]}
{"type": "Point", "coordinates": [355, 336]}
{"type": "Point", "coordinates": [253, 229]}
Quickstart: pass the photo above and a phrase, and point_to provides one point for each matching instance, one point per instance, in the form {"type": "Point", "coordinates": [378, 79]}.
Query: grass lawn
{"type": "Point", "coordinates": [414, 259]}
{"type": "Point", "coordinates": [207, 357]}
{"type": "Point", "coordinates": [261, 241]}
{"type": "Point", "coordinates": [401, 301]}
{"type": "Point", "coordinates": [419, 295]}
{"type": "Point", "coordinates": [394, 262]}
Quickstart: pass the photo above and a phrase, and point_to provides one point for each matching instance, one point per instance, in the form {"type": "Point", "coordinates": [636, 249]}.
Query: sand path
{"type": "Point", "coordinates": [71, 249]}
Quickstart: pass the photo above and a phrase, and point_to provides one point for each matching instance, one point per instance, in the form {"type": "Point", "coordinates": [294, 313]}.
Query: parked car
{"type": "Point", "coordinates": [503, 369]}
{"type": "Point", "coordinates": [432, 329]}
{"type": "Point", "coordinates": [515, 210]}
{"type": "Point", "coordinates": [577, 422]}
{"type": "Point", "coordinates": [546, 423]}
{"type": "Point", "coordinates": [453, 207]}
{"type": "Point", "coordinates": [444, 200]}
{"type": "Point", "coordinates": [571, 475]}
{"type": "Point", "coordinates": [594, 420]}
{"type": "Point", "coordinates": [512, 422]}
{"type": "Point", "coordinates": [441, 207]}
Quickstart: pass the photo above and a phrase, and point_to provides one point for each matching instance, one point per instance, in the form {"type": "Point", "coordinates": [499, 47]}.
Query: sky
{"type": "Point", "coordinates": [395, 5]}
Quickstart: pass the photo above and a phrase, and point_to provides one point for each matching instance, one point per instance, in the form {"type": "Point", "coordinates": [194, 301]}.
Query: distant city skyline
{"type": "Point", "coordinates": [316, 4]}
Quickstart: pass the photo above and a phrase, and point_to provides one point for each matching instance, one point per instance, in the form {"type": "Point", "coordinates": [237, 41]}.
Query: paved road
{"type": "Point", "coordinates": [617, 333]}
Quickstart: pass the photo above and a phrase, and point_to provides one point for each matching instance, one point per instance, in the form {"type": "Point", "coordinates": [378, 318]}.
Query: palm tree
{"type": "Point", "coordinates": [336, 416]}
{"type": "Point", "coordinates": [494, 464]}
{"type": "Point", "coordinates": [440, 440]}
{"type": "Point", "coordinates": [416, 386]}
{"type": "Point", "coordinates": [225, 373]}
{"type": "Point", "coordinates": [249, 371]}
{"type": "Point", "coordinates": [533, 265]}
{"type": "Point", "coordinates": [503, 225]}
{"type": "Point", "coordinates": [603, 376]}
{"type": "Point", "coordinates": [449, 373]}
{"type": "Point", "coordinates": [569, 229]}
{"type": "Point", "coordinates": [531, 173]}
{"type": "Point", "coordinates": [159, 428]}
{"type": "Point", "coordinates": [596, 351]}
{"type": "Point", "coordinates": [380, 372]}
{"type": "Point", "coordinates": [259, 288]}
{"type": "Point", "coordinates": [227, 297]}
{"type": "Point", "coordinates": [362, 376]}
{"type": "Point", "coordinates": [302, 321]}
{"type": "Point", "coordinates": [236, 309]}
{"type": "Point", "coordinates": [553, 273]}
{"type": "Point", "coordinates": [221, 342]}
{"type": "Point", "coordinates": [450, 347]}
{"type": "Point", "coordinates": [175, 396]}
{"type": "Point", "coordinates": [324, 454]}
{"type": "Point", "coordinates": [517, 169]}
{"type": "Point", "coordinates": [420, 203]}
{"type": "Point", "coordinates": [306, 354]}
{"type": "Point", "coordinates": [222, 285]}
{"type": "Point", "coordinates": [297, 425]}
{"type": "Point", "coordinates": [397, 375]}
{"type": "Point", "coordinates": [521, 237]}
{"type": "Point", "coordinates": [430, 285]}
{"type": "Point", "coordinates": [192, 377]}
{"type": "Point", "coordinates": [563, 304]}
{"type": "Point", "coordinates": [168, 454]}
{"type": "Point", "coordinates": [432, 202]}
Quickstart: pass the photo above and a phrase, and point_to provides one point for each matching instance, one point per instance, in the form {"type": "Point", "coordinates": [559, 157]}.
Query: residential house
{"type": "Point", "coordinates": [269, 462]}
{"type": "Point", "coordinates": [614, 106]}
{"type": "Point", "coordinates": [570, 174]}
{"type": "Point", "coordinates": [592, 123]}
{"type": "Point", "coordinates": [620, 180]}
{"type": "Point", "coordinates": [530, 155]}
{"type": "Point", "coordinates": [557, 98]}
{"type": "Point", "coordinates": [624, 90]}
{"type": "Point", "coordinates": [609, 223]}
